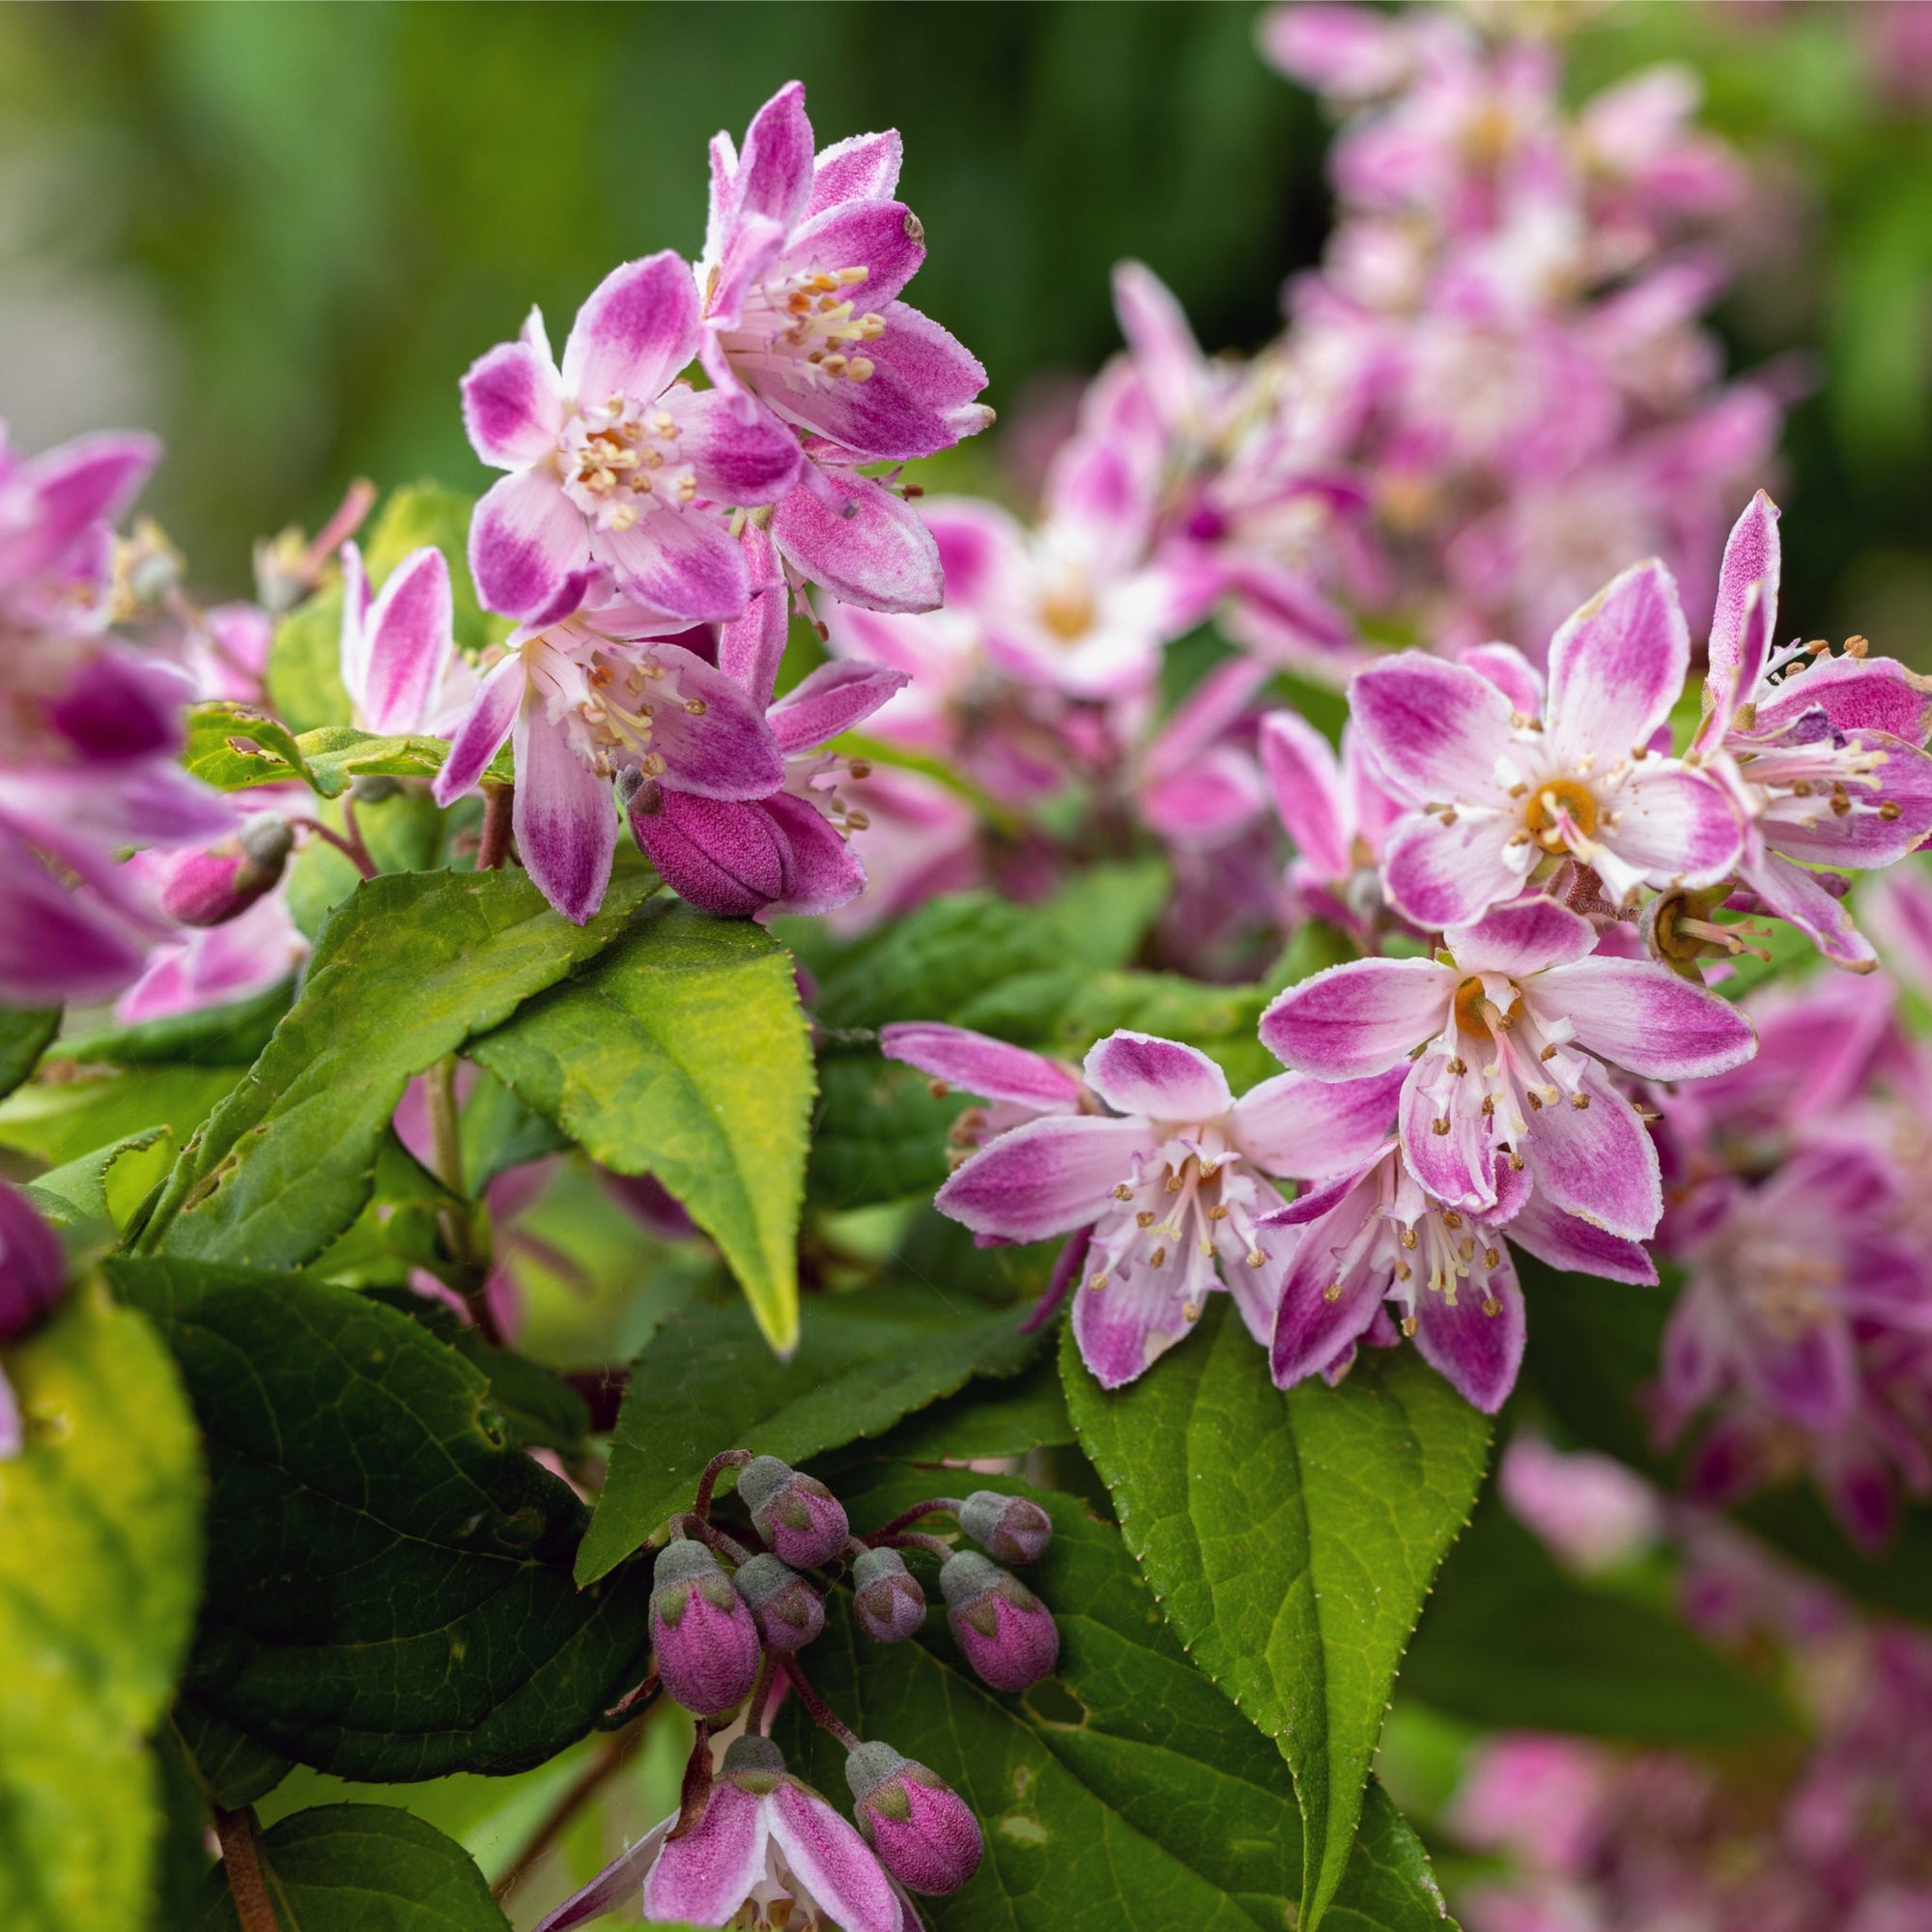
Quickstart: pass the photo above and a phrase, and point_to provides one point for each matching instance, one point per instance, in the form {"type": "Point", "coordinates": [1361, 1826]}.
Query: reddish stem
{"type": "Point", "coordinates": [938, 1506]}
{"type": "Point", "coordinates": [725, 1458]}
{"type": "Point", "coordinates": [498, 810]}
{"type": "Point", "coordinates": [242, 1863]}
{"type": "Point", "coordinates": [352, 850]}
{"type": "Point", "coordinates": [816, 1707]}
{"type": "Point", "coordinates": [910, 1539]}
{"type": "Point", "coordinates": [696, 1791]}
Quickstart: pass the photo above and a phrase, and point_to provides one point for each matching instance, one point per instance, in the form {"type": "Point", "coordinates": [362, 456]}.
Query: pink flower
{"type": "Point", "coordinates": [787, 852]}
{"type": "Point", "coordinates": [584, 698]}
{"type": "Point", "coordinates": [614, 462]}
{"type": "Point", "coordinates": [1504, 1037]}
{"type": "Point", "coordinates": [1022, 1086]}
{"type": "Point", "coordinates": [805, 256]}
{"type": "Point", "coordinates": [399, 661]}
{"type": "Point", "coordinates": [1170, 1184]}
{"type": "Point", "coordinates": [1338, 812]}
{"type": "Point", "coordinates": [764, 1845]}
{"type": "Point", "coordinates": [192, 969]}
{"type": "Point", "coordinates": [1512, 783]}
{"type": "Point", "coordinates": [33, 1273]}
{"type": "Point", "coordinates": [1825, 761]}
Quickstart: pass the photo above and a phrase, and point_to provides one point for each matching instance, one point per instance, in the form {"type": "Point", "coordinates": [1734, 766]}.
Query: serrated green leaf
{"type": "Point", "coordinates": [1122, 1790]}
{"type": "Point", "coordinates": [234, 1767]}
{"type": "Point", "coordinates": [707, 1382]}
{"type": "Point", "coordinates": [682, 1053]}
{"type": "Point", "coordinates": [230, 1035]}
{"type": "Point", "coordinates": [233, 747]}
{"type": "Point", "coordinates": [361, 1868]}
{"type": "Point", "coordinates": [100, 1540]}
{"type": "Point", "coordinates": [58, 1121]}
{"type": "Point", "coordinates": [1290, 1539]}
{"type": "Point", "coordinates": [25, 1034]}
{"type": "Point", "coordinates": [986, 1420]}
{"type": "Point", "coordinates": [403, 972]}
{"type": "Point", "coordinates": [1586, 1658]}
{"type": "Point", "coordinates": [389, 1591]}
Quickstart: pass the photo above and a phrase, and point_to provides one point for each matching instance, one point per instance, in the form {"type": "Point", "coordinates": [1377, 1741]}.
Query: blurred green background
{"type": "Point", "coordinates": [279, 233]}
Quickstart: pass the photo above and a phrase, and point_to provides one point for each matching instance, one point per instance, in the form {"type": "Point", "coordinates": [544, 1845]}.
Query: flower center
{"type": "Point", "coordinates": [1478, 1015]}
{"type": "Point", "coordinates": [1068, 612]}
{"type": "Point", "coordinates": [614, 460]}
{"type": "Point", "coordinates": [1558, 810]}
{"type": "Point", "coordinates": [807, 326]}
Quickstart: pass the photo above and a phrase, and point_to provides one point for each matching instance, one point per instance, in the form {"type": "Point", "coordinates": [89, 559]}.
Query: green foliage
{"type": "Point", "coordinates": [682, 1053]}
{"type": "Point", "coordinates": [230, 1035]}
{"type": "Point", "coordinates": [99, 1562]}
{"type": "Point", "coordinates": [1601, 1659]}
{"type": "Point", "coordinates": [430, 514]}
{"type": "Point", "coordinates": [881, 1131]}
{"type": "Point", "coordinates": [706, 1382]}
{"type": "Point", "coordinates": [405, 972]}
{"type": "Point", "coordinates": [361, 1868]}
{"type": "Point", "coordinates": [59, 1119]}
{"type": "Point", "coordinates": [305, 677]}
{"type": "Point", "coordinates": [93, 1199]}
{"type": "Point", "coordinates": [987, 1419]}
{"type": "Point", "coordinates": [1121, 1789]}
{"type": "Point", "coordinates": [1290, 1539]}
{"type": "Point", "coordinates": [234, 748]}
{"type": "Point", "coordinates": [25, 1033]}
{"type": "Point", "coordinates": [388, 1591]}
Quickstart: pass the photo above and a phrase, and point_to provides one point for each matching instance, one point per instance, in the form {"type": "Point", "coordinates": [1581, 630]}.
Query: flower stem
{"type": "Point", "coordinates": [616, 1751]}
{"type": "Point", "coordinates": [816, 1707]}
{"type": "Point", "coordinates": [758, 1720]}
{"type": "Point", "coordinates": [242, 1860]}
{"type": "Point", "coordinates": [910, 1539]}
{"type": "Point", "coordinates": [714, 1538]}
{"type": "Point", "coordinates": [457, 1219]}
{"type": "Point", "coordinates": [352, 850]}
{"type": "Point", "coordinates": [499, 802]}
{"type": "Point", "coordinates": [696, 1791]}
{"type": "Point", "coordinates": [938, 1506]}
{"type": "Point", "coordinates": [725, 1458]}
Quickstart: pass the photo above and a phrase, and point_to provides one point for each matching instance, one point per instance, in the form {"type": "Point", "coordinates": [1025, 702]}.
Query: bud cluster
{"type": "Point", "coordinates": [731, 1611]}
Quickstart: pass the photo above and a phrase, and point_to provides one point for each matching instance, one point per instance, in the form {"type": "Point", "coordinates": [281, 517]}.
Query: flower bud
{"type": "Point", "coordinates": [886, 1597]}
{"type": "Point", "coordinates": [786, 1609]}
{"type": "Point", "coordinates": [211, 887]}
{"type": "Point", "coordinates": [33, 1270]}
{"type": "Point", "coordinates": [1007, 1632]}
{"type": "Point", "coordinates": [1009, 1529]}
{"type": "Point", "coordinates": [920, 1828]}
{"type": "Point", "coordinates": [798, 1516]}
{"type": "Point", "coordinates": [706, 1643]}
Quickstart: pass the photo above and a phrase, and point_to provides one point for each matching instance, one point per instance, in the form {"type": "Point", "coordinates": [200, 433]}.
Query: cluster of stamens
{"type": "Point", "coordinates": [614, 456]}
{"type": "Point", "coordinates": [809, 320]}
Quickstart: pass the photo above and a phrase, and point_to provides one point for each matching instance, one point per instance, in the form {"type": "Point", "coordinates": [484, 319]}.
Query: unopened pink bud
{"type": "Point", "coordinates": [1009, 1529]}
{"type": "Point", "coordinates": [707, 1644]}
{"type": "Point", "coordinates": [789, 1612]}
{"type": "Point", "coordinates": [213, 887]}
{"type": "Point", "coordinates": [798, 1516]}
{"type": "Point", "coordinates": [1008, 1634]}
{"type": "Point", "coordinates": [921, 1830]}
{"type": "Point", "coordinates": [886, 1597]}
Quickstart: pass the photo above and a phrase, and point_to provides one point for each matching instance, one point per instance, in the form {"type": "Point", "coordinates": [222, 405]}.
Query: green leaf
{"type": "Point", "coordinates": [880, 1132]}
{"type": "Point", "coordinates": [405, 971]}
{"type": "Point", "coordinates": [706, 1382]}
{"type": "Point", "coordinates": [100, 1540]}
{"type": "Point", "coordinates": [91, 1199]}
{"type": "Point", "coordinates": [230, 1035]}
{"type": "Point", "coordinates": [58, 1121]}
{"type": "Point", "coordinates": [1220, 1020]}
{"type": "Point", "coordinates": [234, 1767]}
{"type": "Point", "coordinates": [1121, 1791]}
{"type": "Point", "coordinates": [1290, 1539]}
{"type": "Point", "coordinates": [389, 1592]}
{"type": "Point", "coordinates": [233, 747]}
{"type": "Point", "coordinates": [986, 1420]}
{"type": "Point", "coordinates": [305, 677]}
{"type": "Point", "coordinates": [25, 1034]}
{"type": "Point", "coordinates": [428, 514]}
{"type": "Point", "coordinates": [1588, 1658]}
{"type": "Point", "coordinates": [682, 1053]}
{"type": "Point", "coordinates": [361, 1868]}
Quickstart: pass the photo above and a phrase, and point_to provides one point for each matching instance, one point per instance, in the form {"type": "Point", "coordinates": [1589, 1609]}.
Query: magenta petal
{"type": "Point", "coordinates": [1642, 1017]}
{"type": "Point", "coordinates": [702, 1878]}
{"type": "Point", "coordinates": [1458, 1165]}
{"type": "Point", "coordinates": [826, 873]}
{"type": "Point", "coordinates": [933, 367]}
{"type": "Point", "coordinates": [680, 561]}
{"type": "Point", "coordinates": [1597, 1162]}
{"type": "Point", "coordinates": [876, 421]}
{"type": "Point", "coordinates": [57, 945]}
{"type": "Point", "coordinates": [1522, 938]}
{"type": "Point", "coordinates": [52, 499]}
{"type": "Point", "coordinates": [1436, 729]}
{"type": "Point", "coordinates": [1358, 1020]}
{"type": "Point", "coordinates": [1046, 1177]}
{"type": "Point", "coordinates": [834, 1862]}
{"type": "Point", "coordinates": [750, 647]}
{"type": "Point", "coordinates": [1122, 1329]}
{"type": "Point", "coordinates": [757, 244]}
{"type": "Point", "coordinates": [774, 175]}
{"type": "Point", "coordinates": [1163, 346]}
{"type": "Point", "coordinates": [1676, 825]}
{"type": "Point", "coordinates": [511, 405]}
{"type": "Point", "coordinates": [724, 856]}
{"type": "Point", "coordinates": [725, 751]}
{"type": "Point", "coordinates": [1617, 666]}
{"type": "Point", "coordinates": [1476, 1346]}
{"type": "Point", "coordinates": [613, 1887]}
{"type": "Point", "coordinates": [1511, 672]}
{"type": "Point", "coordinates": [1566, 1242]}
{"type": "Point", "coordinates": [407, 642]}
{"type": "Point", "coordinates": [1440, 876]}
{"type": "Point", "coordinates": [1795, 894]}
{"type": "Point", "coordinates": [525, 539]}
{"type": "Point", "coordinates": [863, 167]}
{"type": "Point", "coordinates": [735, 462]}
{"type": "Point", "coordinates": [1332, 1289]}
{"type": "Point", "coordinates": [977, 1064]}
{"type": "Point", "coordinates": [1745, 617]}
{"type": "Point", "coordinates": [1808, 1375]}
{"type": "Point", "coordinates": [883, 237]}
{"type": "Point", "coordinates": [1295, 1125]}
{"type": "Point", "coordinates": [638, 328]}
{"type": "Point", "coordinates": [872, 550]}
{"type": "Point", "coordinates": [1305, 780]}
{"type": "Point", "coordinates": [1139, 1073]}
{"type": "Point", "coordinates": [565, 819]}
{"type": "Point", "coordinates": [1855, 695]}
{"type": "Point", "coordinates": [1863, 840]}
{"type": "Point", "coordinates": [830, 700]}
{"type": "Point", "coordinates": [480, 735]}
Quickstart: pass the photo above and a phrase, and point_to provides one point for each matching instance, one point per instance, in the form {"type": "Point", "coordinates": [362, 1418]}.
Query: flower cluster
{"type": "Point", "coordinates": [751, 1844]}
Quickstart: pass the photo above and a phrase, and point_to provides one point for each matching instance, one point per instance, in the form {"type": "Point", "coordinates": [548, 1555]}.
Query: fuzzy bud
{"type": "Point", "coordinates": [1007, 1632]}
{"type": "Point", "coordinates": [786, 1609]}
{"type": "Point", "coordinates": [1009, 1529]}
{"type": "Point", "coordinates": [706, 1643]}
{"type": "Point", "coordinates": [920, 1828]}
{"type": "Point", "coordinates": [33, 1270]}
{"type": "Point", "coordinates": [213, 887]}
{"type": "Point", "coordinates": [886, 1597]}
{"type": "Point", "coordinates": [798, 1516]}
